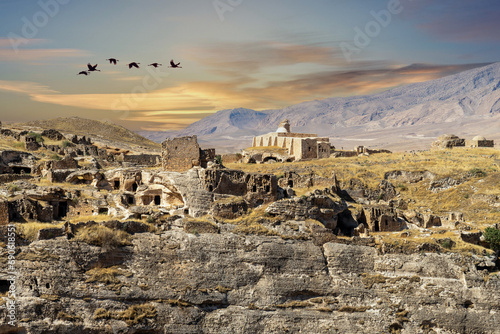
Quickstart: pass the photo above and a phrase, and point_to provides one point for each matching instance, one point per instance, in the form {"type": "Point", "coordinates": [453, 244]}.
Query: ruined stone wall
{"type": "Point", "coordinates": [380, 219]}
{"type": "Point", "coordinates": [323, 150]}
{"type": "Point", "coordinates": [143, 159]}
{"type": "Point", "coordinates": [256, 188]}
{"type": "Point", "coordinates": [180, 154]}
{"type": "Point", "coordinates": [4, 212]}
{"type": "Point", "coordinates": [81, 209]}
{"type": "Point", "coordinates": [6, 178]}
{"type": "Point", "coordinates": [25, 209]}
{"type": "Point", "coordinates": [206, 156]}
{"type": "Point", "coordinates": [294, 180]}
{"type": "Point", "coordinates": [307, 150]}
{"type": "Point", "coordinates": [480, 143]}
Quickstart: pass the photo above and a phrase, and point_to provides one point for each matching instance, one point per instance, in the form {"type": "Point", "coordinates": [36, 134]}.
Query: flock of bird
{"type": "Point", "coordinates": [113, 61]}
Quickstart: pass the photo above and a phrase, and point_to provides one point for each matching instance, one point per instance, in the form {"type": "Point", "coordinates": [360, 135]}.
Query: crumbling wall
{"type": "Point", "coordinates": [25, 209]}
{"type": "Point", "coordinates": [143, 159]}
{"type": "Point", "coordinates": [256, 188]}
{"type": "Point", "coordinates": [480, 143]}
{"type": "Point", "coordinates": [381, 219]}
{"type": "Point", "coordinates": [82, 208]}
{"type": "Point", "coordinates": [180, 154]}
{"type": "Point", "coordinates": [323, 150]}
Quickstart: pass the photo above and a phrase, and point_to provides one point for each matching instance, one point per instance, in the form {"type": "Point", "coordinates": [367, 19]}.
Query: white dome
{"type": "Point", "coordinates": [281, 130]}
{"type": "Point", "coordinates": [478, 138]}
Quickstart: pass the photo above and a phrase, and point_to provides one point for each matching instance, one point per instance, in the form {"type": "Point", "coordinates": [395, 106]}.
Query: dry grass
{"type": "Point", "coordinates": [103, 236]}
{"type": "Point", "coordinates": [132, 315]}
{"type": "Point", "coordinates": [106, 275]}
{"type": "Point", "coordinates": [96, 218]}
{"type": "Point", "coordinates": [109, 277]}
{"type": "Point", "coordinates": [200, 225]}
{"type": "Point", "coordinates": [29, 231]}
{"type": "Point", "coordinates": [416, 238]}
{"type": "Point", "coordinates": [457, 163]}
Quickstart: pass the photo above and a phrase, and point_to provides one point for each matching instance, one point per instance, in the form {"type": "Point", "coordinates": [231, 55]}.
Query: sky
{"type": "Point", "coordinates": [254, 54]}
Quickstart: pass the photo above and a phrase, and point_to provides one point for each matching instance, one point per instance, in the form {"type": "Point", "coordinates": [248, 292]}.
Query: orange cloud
{"type": "Point", "coordinates": [188, 102]}
{"type": "Point", "coordinates": [25, 87]}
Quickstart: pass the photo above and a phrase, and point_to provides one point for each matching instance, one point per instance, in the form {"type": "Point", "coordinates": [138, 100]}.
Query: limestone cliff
{"type": "Point", "coordinates": [178, 282]}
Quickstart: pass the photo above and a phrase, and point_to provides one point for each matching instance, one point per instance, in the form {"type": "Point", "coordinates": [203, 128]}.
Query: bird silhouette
{"type": "Point", "coordinates": [92, 68]}
{"type": "Point", "coordinates": [155, 65]}
{"type": "Point", "coordinates": [174, 65]}
{"type": "Point", "coordinates": [112, 61]}
{"type": "Point", "coordinates": [83, 72]}
{"type": "Point", "coordinates": [134, 64]}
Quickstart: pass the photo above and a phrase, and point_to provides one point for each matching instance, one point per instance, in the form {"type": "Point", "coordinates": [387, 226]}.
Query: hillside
{"type": "Point", "coordinates": [407, 117]}
{"type": "Point", "coordinates": [101, 131]}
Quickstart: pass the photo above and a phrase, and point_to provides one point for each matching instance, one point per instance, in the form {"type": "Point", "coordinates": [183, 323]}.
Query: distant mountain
{"type": "Point", "coordinates": [467, 103]}
{"type": "Point", "coordinates": [106, 132]}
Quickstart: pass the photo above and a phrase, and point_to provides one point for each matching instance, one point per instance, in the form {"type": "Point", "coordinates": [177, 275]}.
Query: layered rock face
{"type": "Point", "coordinates": [176, 282]}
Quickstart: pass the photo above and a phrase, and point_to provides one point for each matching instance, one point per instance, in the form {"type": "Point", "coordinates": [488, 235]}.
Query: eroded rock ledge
{"type": "Point", "coordinates": [178, 282]}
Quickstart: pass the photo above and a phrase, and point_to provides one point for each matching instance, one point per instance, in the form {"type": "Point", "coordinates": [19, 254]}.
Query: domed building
{"type": "Point", "coordinates": [480, 141]}
{"type": "Point", "coordinates": [299, 146]}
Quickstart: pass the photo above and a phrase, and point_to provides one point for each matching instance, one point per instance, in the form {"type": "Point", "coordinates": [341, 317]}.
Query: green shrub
{"type": "Point", "coordinates": [66, 143]}
{"type": "Point", "coordinates": [477, 172]}
{"type": "Point", "coordinates": [38, 137]}
{"type": "Point", "coordinates": [492, 236]}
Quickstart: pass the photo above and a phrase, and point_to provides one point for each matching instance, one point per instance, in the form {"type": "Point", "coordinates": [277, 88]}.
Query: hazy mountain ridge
{"type": "Point", "coordinates": [441, 105]}
{"type": "Point", "coordinates": [103, 131]}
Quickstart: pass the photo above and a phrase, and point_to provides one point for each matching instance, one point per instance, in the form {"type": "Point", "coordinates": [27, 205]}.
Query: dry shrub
{"type": "Point", "coordinates": [103, 236]}
{"type": "Point", "coordinates": [29, 231]}
{"type": "Point", "coordinates": [132, 315]}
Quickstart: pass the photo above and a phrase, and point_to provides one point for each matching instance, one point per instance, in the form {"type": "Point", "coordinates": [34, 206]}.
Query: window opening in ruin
{"type": "Point", "coordinates": [210, 188]}
{"type": "Point", "coordinates": [30, 215]}
{"type": "Point", "coordinates": [62, 209]}
{"type": "Point", "coordinates": [290, 183]}
{"type": "Point", "coordinates": [47, 285]}
{"type": "Point", "coordinates": [377, 228]}
{"type": "Point", "coordinates": [186, 211]}
{"type": "Point", "coordinates": [134, 187]}
{"type": "Point", "coordinates": [103, 211]}
{"type": "Point", "coordinates": [157, 200]}
{"type": "Point", "coordinates": [116, 185]}
{"type": "Point", "coordinates": [4, 286]}
{"type": "Point", "coordinates": [267, 188]}
{"type": "Point", "coordinates": [21, 170]}
{"type": "Point", "coordinates": [130, 200]}
{"type": "Point", "coordinates": [254, 188]}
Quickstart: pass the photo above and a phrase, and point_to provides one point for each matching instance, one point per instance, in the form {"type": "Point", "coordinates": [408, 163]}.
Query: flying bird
{"type": "Point", "coordinates": [112, 61]}
{"type": "Point", "coordinates": [155, 65]}
{"type": "Point", "coordinates": [83, 72]}
{"type": "Point", "coordinates": [174, 65]}
{"type": "Point", "coordinates": [134, 64]}
{"type": "Point", "coordinates": [92, 68]}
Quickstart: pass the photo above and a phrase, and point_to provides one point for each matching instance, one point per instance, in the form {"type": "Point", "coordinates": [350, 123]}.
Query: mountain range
{"type": "Point", "coordinates": [404, 118]}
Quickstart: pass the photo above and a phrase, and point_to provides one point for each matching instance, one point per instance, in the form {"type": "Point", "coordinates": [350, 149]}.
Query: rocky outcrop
{"type": "Point", "coordinates": [322, 205]}
{"type": "Point", "coordinates": [408, 176]}
{"type": "Point", "coordinates": [177, 282]}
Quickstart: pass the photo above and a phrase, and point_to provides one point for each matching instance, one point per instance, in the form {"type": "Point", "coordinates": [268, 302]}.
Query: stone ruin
{"type": "Point", "coordinates": [450, 141]}
{"type": "Point", "coordinates": [296, 146]}
{"type": "Point", "coordinates": [479, 141]}
{"type": "Point", "coordinates": [183, 153]}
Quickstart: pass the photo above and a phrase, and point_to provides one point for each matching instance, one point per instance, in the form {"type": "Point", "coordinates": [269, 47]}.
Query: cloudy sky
{"type": "Point", "coordinates": [255, 54]}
